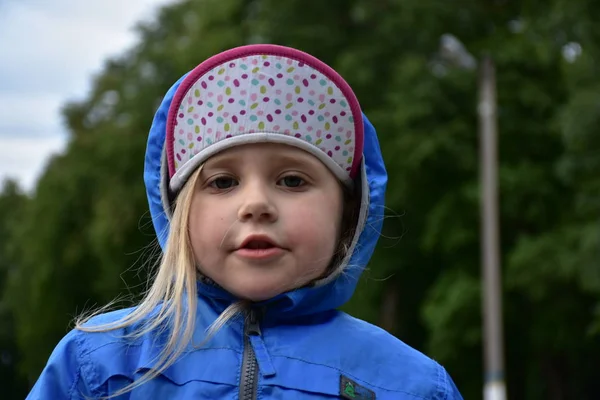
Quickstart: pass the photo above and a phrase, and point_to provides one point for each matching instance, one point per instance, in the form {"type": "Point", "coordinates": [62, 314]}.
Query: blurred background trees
{"type": "Point", "coordinates": [85, 236]}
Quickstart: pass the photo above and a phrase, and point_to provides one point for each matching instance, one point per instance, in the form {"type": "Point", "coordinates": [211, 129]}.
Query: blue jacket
{"type": "Point", "coordinates": [300, 347]}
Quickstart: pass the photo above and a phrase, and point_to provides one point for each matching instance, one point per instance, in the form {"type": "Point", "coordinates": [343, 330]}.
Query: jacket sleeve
{"type": "Point", "coordinates": [62, 375]}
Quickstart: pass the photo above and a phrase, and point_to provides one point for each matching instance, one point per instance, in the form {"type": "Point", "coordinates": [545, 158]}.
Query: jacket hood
{"type": "Point", "coordinates": [326, 294]}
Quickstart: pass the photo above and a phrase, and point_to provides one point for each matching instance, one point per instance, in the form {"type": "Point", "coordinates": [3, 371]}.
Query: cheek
{"type": "Point", "coordinates": [206, 227]}
{"type": "Point", "coordinates": [197, 238]}
{"type": "Point", "coordinates": [195, 222]}
{"type": "Point", "coordinates": [316, 225]}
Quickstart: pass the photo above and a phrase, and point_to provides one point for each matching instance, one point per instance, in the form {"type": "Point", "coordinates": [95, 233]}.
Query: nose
{"type": "Point", "coordinates": [257, 205]}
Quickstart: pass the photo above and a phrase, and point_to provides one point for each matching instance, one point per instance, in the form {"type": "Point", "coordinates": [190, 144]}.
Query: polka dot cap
{"type": "Point", "coordinates": [264, 93]}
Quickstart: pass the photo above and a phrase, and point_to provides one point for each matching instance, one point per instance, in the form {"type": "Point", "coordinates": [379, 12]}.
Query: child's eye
{"type": "Point", "coordinates": [291, 181]}
{"type": "Point", "coordinates": [224, 182]}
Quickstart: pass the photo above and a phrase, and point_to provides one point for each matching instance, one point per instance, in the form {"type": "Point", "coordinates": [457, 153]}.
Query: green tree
{"type": "Point", "coordinates": [87, 223]}
{"type": "Point", "coordinates": [12, 202]}
{"type": "Point", "coordinates": [424, 110]}
{"type": "Point", "coordinates": [86, 236]}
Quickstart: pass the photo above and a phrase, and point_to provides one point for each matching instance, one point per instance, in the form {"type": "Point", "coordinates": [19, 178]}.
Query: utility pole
{"type": "Point", "coordinates": [495, 388]}
{"type": "Point", "coordinates": [453, 51]}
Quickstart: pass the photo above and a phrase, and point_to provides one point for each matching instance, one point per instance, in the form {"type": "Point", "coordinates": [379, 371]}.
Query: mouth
{"type": "Point", "coordinates": [258, 242]}
{"type": "Point", "coordinates": [259, 247]}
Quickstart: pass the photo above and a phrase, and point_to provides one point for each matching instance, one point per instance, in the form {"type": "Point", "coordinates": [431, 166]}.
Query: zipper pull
{"type": "Point", "coordinates": [265, 365]}
{"type": "Point", "coordinates": [253, 327]}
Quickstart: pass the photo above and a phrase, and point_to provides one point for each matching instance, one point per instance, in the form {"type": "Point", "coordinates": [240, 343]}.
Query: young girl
{"type": "Point", "coordinates": [266, 186]}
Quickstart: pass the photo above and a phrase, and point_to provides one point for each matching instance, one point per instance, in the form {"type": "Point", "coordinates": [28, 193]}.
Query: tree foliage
{"type": "Point", "coordinates": [81, 239]}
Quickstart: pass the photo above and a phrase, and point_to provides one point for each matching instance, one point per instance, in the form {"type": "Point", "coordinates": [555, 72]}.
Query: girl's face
{"type": "Point", "coordinates": [264, 219]}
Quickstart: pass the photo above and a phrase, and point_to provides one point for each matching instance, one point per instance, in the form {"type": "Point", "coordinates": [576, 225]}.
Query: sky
{"type": "Point", "coordinates": [49, 53]}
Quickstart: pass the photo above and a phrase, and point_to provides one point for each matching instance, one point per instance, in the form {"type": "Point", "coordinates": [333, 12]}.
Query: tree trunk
{"type": "Point", "coordinates": [389, 307]}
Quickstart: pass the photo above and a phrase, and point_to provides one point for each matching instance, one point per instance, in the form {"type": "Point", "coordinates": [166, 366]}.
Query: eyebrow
{"type": "Point", "coordinates": [296, 159]}
{"type": "Point", "coordinates": [279, 158]}
{"type": "Point", "coordinates": [219, 161]}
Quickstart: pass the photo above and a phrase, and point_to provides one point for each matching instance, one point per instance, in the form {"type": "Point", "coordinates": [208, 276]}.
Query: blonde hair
{"type": "Point", "coordinates": [170, 303]}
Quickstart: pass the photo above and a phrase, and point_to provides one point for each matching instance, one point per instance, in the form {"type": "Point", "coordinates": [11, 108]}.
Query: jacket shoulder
{"type": "Point", "coordinates": [81, 359]}
{"type": "Point", "coordinates": [399, 366]}
{"type": "Point", "coordinates": [61, 377]}
{"type": "Point", "coordinates": [378, 345]}
{"type": "Point", "coordinates": [342, 345]}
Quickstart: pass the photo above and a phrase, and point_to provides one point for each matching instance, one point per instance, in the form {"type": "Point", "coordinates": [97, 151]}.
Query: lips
{"type": "Point", "coordinates": [258, 242]}
{"type": "Point", "coordinates": [259, 248]}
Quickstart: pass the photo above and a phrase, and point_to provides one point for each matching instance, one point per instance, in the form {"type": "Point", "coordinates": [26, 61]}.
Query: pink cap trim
{"type": "Point", "coordinates": [274, 50]}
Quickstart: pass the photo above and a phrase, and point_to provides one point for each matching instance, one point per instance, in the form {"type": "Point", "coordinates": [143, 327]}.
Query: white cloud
{"type": "Point", "coordinates": [49, 51]}
{"type": "Point", "coordinates": [24, 157]}
{"type": "Point", "coordinates": [58, 45]}
{"type": "Point", "coordinates": [23, 113]}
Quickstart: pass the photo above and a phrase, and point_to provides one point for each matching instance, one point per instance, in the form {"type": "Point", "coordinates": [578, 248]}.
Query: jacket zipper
{"type": "Point", "coordinates": [249, 381]}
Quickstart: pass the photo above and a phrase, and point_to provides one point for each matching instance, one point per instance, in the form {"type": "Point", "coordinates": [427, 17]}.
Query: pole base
{"type": "Point", "coordinates": [494, 391]}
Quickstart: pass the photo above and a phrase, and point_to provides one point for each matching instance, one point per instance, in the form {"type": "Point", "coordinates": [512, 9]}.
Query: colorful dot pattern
{"type": "Point", "coordinates": [265, 93]}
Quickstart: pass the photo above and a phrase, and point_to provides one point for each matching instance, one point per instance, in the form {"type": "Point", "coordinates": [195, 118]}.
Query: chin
{"type": "Point", "coordinates": [257, 293]}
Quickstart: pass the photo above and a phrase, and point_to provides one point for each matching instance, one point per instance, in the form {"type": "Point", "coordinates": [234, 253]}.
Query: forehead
{"type": "Point", "coordinates": [266, 153]}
